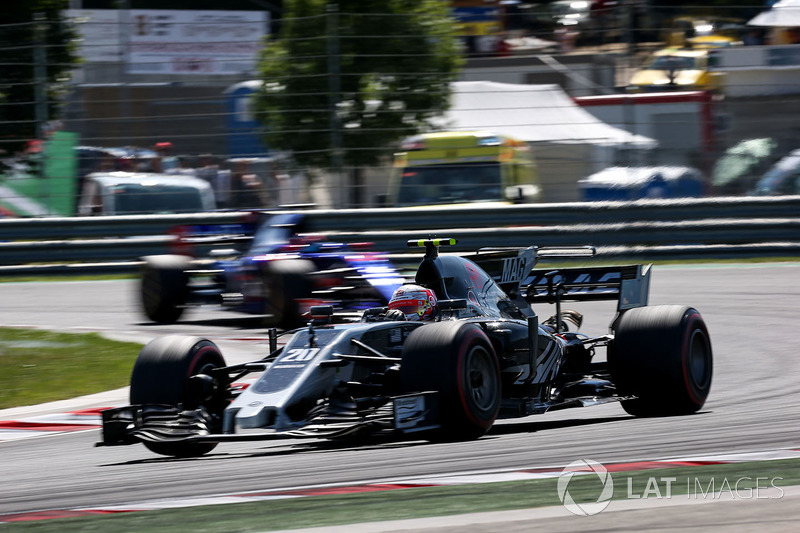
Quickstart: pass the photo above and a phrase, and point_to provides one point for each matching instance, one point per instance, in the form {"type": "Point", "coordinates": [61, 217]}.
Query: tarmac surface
{"type": "Point", "coordinates": [752, 316]}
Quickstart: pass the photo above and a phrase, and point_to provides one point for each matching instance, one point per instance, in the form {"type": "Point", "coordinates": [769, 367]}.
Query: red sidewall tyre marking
{"type": "Point", "coordinates": [198, 356]}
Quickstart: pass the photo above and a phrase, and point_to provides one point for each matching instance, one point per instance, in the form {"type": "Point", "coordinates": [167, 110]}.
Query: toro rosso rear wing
{"type": "Point", "coordinates": [512, 269]}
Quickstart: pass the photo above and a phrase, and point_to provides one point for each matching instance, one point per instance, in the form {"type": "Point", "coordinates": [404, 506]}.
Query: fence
{"type": "Point", "coordinates": [355, 84]}
{"type": "Point", "coordinates": [125, 94]}
{"type": "Point", "coordinates": [652, 229]}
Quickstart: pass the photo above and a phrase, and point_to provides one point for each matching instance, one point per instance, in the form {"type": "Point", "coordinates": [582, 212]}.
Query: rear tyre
{"type": "Point", "coordinates": [165, 287]}
{"type": "Point", "coordinates": [457, 360]}
{"type": "Point", "coordinates": [161, 376]}
{"type": "Point", "coordinates": [662, 355]}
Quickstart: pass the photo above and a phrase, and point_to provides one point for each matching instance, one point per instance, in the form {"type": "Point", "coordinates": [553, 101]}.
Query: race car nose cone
{"type": "Point", "coordinates": [253, 415]}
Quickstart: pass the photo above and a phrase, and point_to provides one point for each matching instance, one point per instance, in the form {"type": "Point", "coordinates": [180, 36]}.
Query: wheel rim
{"type": "Point", "coordinates": [482, 384]}
{"type": "Point", "coordinates": [699, 359]}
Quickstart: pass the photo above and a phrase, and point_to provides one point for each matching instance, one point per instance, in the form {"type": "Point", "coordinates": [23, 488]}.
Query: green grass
{"type": "Point", "coordinates": [320, 511]}
{"type": "Point", "coordinates": [40, 366]}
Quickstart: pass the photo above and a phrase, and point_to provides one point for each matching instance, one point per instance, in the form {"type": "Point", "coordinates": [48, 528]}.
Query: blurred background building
{"type": "Point", "coordinates": [187, 76]}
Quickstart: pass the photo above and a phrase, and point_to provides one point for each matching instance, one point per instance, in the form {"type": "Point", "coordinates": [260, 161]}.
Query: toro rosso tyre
{"type": "Point", "coordinates": [457, 360]}
{"type": "Point", "coordinates": [165, 287]}
{"type": "Point", "coordinates": [662, 355]}
{"type": "Point", "coordinates": [286, 281]}
{"type": "Point", "coordinates": [161, 377]}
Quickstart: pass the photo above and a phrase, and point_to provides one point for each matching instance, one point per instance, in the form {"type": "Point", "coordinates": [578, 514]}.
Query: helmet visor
{"type": "Point", "coordinates": [408, 307]}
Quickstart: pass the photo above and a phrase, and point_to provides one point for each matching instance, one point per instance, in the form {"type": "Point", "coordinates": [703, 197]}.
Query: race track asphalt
{"type": "Point", "coordinates": [752, 315]}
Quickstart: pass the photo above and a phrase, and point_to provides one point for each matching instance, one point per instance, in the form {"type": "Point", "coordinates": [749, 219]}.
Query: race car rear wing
{"type": "Point", "coordinates": [512, 269]}
{"type": "Point", "coordinates": [628, 284]}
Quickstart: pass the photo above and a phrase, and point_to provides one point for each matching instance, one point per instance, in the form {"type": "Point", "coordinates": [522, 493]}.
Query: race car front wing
{"type": "Point", "coordinates": [131, 424]}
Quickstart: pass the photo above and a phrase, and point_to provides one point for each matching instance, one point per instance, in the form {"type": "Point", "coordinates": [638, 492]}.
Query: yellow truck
{"type": "Point", "coordinates": [455, 167]}
{"type": "Point", "coordinates": [682, 68]}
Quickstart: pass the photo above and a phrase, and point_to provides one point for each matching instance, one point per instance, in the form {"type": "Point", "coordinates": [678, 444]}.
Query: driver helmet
{"type": "Point", "coordinates": [414, 301]}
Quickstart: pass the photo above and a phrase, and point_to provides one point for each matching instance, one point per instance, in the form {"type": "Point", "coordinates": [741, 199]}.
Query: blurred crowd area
{"type": "Point", "coordinates": [567, 26]}
{"type": "Point", "coordinates": [238, 182]}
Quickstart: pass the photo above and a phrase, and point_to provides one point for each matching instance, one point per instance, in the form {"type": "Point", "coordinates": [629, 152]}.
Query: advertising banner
{"type": "Point", "coordinates": [477, 20]}
{"type": "Point", "coordinates": [195, 42]}
{"type": "Point", "coordinates": [168, 41]}
{"type": "Point", "coordinates": [101, 40]}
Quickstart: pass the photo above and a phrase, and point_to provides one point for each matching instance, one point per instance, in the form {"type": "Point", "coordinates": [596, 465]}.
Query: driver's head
{"type": "Point", "coordinates": [415, 302]}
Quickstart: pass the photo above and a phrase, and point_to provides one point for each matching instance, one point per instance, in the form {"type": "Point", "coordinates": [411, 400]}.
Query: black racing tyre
{"type": "Point", "coordinates": [160, 376]}
{"type": "Point", "coordinates": [662, 355]}
{"type": "Point", "coordinates": [286, 281]}
{"type": "Point", "coordinates": [457, 360]}
{"type": "Point", "coordinates": [164, 287]}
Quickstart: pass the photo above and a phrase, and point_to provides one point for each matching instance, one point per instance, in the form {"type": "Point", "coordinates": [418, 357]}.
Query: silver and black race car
{"type": "Point", "coordinates": [485, 356]}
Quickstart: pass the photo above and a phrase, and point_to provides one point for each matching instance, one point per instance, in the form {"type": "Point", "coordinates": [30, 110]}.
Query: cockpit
{"type": "Point", "coordinates": [457, 278]}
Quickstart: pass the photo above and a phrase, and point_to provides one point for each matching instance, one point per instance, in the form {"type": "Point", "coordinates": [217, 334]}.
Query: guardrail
{"type": "Point", "coordinates": [555, 214]}
{"type": "Point", "coordinates": [423, 218]}
{"type": "Point", "coordinates": [31, 229]}
{"type": "Point", "coordinates": [688, 228]}
{"type": "Point", "coordinates": [728, 232]}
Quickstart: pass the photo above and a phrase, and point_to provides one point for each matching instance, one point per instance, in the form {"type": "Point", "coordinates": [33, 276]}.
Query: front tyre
{"type": "Point", "coordinates": [457, 360]}
{"type": "Point", "coordinates": [662, 355]}
{"type": "Point", "coordinates": [161, 376]}
{"type": "Point", "coordinates": [164, 287]}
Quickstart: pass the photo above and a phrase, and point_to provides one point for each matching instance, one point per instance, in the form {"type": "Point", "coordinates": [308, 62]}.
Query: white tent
{"type": "Point", "coordinates": [532, 113]}
{"type": "Point", "coordinates": [785, 13]}
{"type": "Point", "coordinates": [568, 142]}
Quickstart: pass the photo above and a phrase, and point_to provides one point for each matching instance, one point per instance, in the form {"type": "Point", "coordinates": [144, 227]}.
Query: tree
{"type": "Point", "coordinates": [21, 39]}
{"type": "Point", "coordinates": [343, 83]}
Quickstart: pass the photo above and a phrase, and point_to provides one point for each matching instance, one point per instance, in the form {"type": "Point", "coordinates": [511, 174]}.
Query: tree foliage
{"type": "Point", "coordinates": [18, 41]}
{"type": "Point", "coordinates": [390, 77]}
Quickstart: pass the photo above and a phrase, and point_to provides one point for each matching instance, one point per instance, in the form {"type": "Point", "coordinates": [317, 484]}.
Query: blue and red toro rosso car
{"type": "Point", "coordinates": [281, 275]}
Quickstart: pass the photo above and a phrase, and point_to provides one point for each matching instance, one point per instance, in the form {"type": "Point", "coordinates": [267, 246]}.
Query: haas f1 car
{"type": "Point", "coordinates": [281, 274]}
{"type": "Point", "coordinates": [485, 356]}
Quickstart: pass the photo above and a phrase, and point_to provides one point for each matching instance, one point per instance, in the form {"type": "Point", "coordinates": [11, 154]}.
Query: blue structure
{"type": "Point", "coordinates": [634, 183]}
{"type": "Point", "coordinates": [243, 132]}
